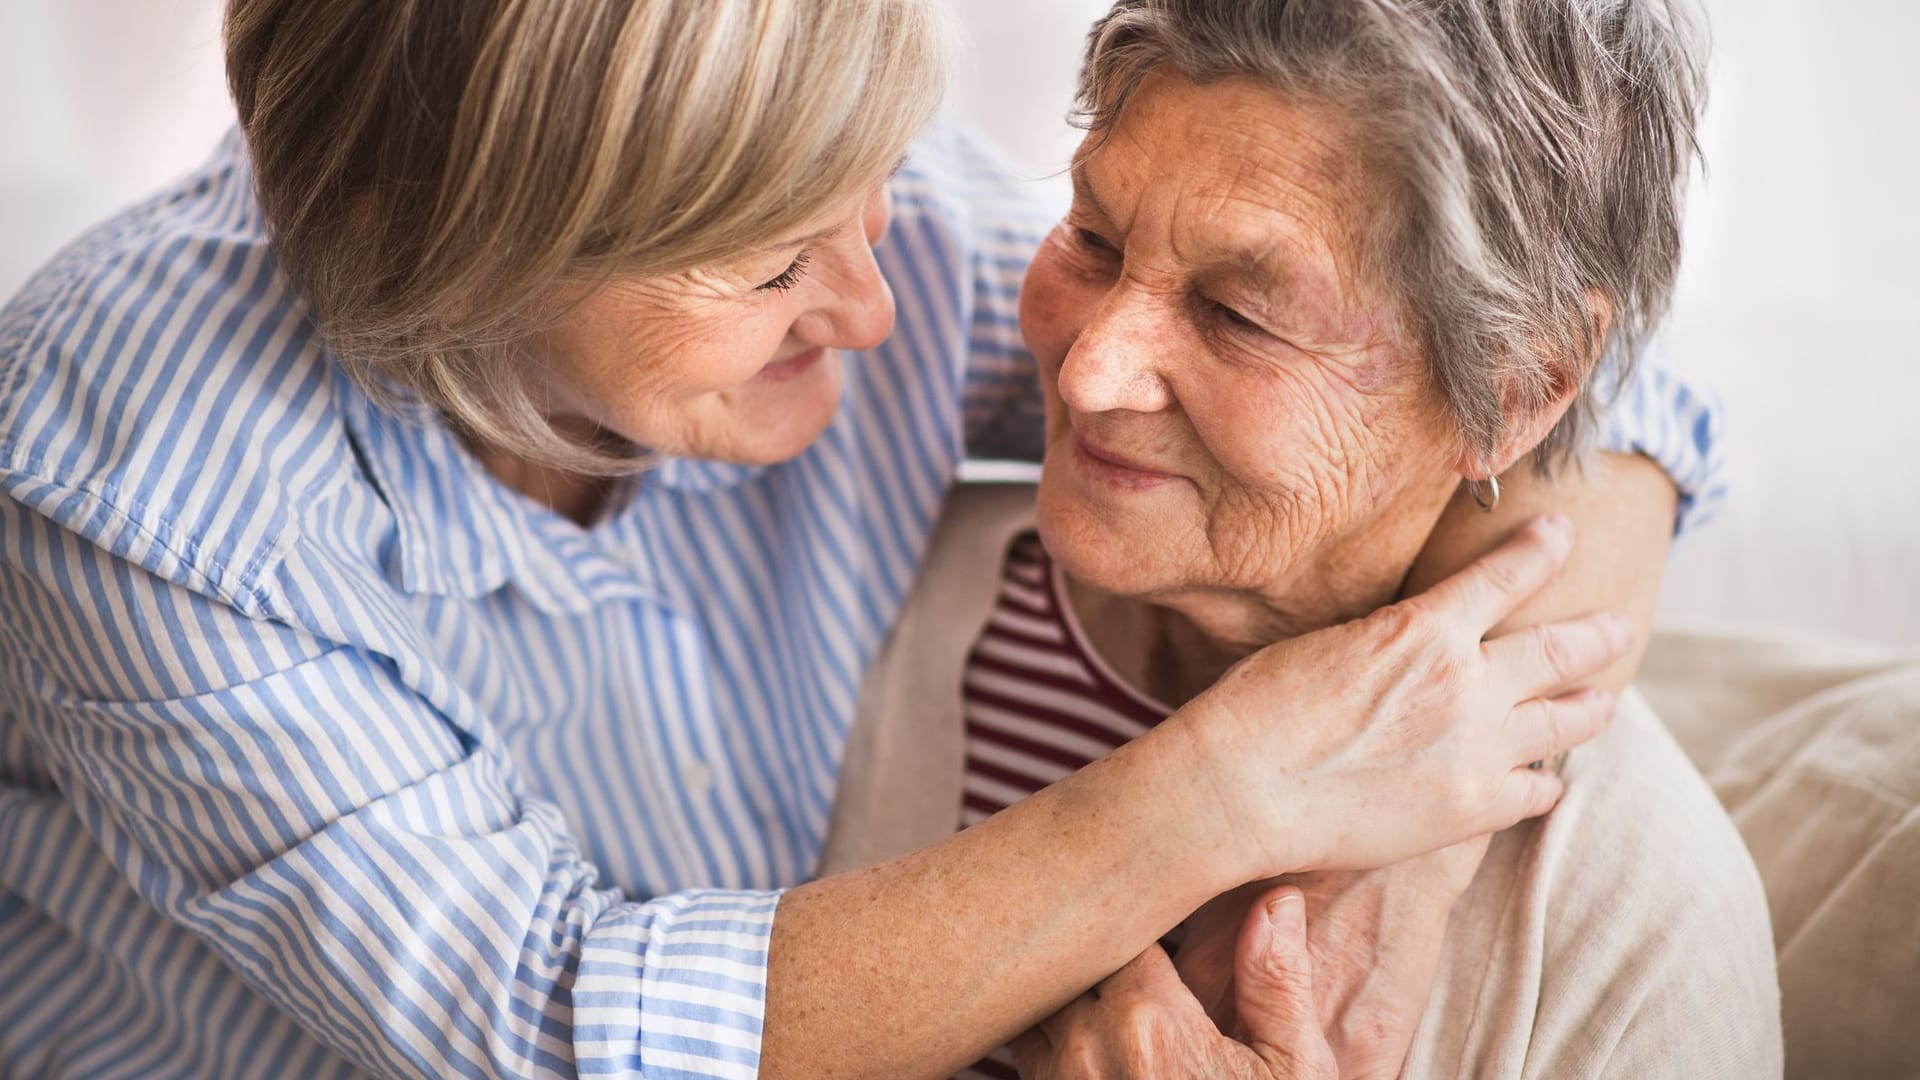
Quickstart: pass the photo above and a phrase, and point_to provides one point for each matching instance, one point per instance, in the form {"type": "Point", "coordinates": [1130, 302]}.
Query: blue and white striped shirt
{"type": "Point", "coordinates": [322, 753]}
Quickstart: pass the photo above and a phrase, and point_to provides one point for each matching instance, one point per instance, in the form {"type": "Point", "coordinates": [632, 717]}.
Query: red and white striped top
{"type": "Point", "coordinates": [1039, 703]}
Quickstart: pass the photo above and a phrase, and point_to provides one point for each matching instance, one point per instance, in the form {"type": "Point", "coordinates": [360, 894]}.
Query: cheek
{"type": "Point", "coordinates": [690, 357]}
{"type": "Point", "coordinates": [1280, 430]}
{"type": "Point", "coordinates": [1055, 303]}
{"type": "Point", "coordinates": [648, 375]}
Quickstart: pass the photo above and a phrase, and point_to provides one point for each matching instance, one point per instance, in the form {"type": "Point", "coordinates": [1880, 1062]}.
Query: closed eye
{"type": "Point", "coordinates": [1234, 318]}
{"type": "Point", "coordinates": [1093, 241]}
{"type": "Point", "coordinates": [789, 277]}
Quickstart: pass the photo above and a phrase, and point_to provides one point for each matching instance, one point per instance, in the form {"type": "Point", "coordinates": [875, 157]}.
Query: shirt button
{"type": "Point", "coordinates": [697, 777]}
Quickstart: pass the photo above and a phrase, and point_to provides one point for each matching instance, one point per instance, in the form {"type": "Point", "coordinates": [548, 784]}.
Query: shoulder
{"type": "Point", "coordinates": [1623, 935]}
{"type": "Point", "coordinates": [1656, 939]}
{"type": "Point", "coordinates": [1639, 813]}
{"type": "Point", "coordinates": [163, 393]}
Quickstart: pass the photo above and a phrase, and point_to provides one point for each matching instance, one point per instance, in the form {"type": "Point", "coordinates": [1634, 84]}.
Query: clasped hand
{"type": "Point", "coordinates": [1257, 992]}
{"type": "Point", "coordinates": [1143, 1021]}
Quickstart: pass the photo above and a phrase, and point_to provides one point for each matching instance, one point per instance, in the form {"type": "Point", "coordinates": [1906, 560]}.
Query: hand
{"type": "Point", "coordinates": [1403, 732]}
{"type": "Point", "coordinates": [1142, 1021]}
{"type": "Point", "coordinates": [1376, 939]}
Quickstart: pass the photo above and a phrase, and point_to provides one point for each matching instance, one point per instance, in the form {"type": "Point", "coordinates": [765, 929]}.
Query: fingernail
{"type": "Point", "coordinates": [1558, 524]}
{"type": "Point", "coordinates": [1287, 914]}
{"type": "Point", "coordinates": [1619, 629]}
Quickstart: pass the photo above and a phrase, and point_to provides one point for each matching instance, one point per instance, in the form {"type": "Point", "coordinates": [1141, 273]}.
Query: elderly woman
{"type": "Point", "coordinates": [1323, 259]}
{"type": "Point", "coordinates": [442, 539]}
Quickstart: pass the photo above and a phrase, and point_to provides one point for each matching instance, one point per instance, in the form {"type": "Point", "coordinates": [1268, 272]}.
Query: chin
{"type": "Point", "coordinates": [781, 420]}
{"type": "Point", "coordinates": [1115, 551]}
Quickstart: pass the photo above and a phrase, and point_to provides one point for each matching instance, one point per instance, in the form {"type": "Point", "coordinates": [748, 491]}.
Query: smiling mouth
{"type": "Point", "coordinates": [1121, 471]}
{"type": "Point", "coordinates": [792, 367]}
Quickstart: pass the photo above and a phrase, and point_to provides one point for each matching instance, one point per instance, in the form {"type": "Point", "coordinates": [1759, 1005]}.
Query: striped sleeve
{"type": "Point", "coordinates": [1677, 425]}
{"type": "Point", "coordinates": [362, 855]}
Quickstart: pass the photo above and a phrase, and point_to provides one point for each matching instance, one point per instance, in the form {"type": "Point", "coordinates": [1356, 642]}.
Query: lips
{"type": "Point", "coordinates": [1121, 466]}
{"type": "Point", "coordinates": [792, 367]}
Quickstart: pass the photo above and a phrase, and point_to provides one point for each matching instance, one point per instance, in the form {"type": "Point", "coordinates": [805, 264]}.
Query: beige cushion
{"type": "Point", "coordinates": [1813, 746]}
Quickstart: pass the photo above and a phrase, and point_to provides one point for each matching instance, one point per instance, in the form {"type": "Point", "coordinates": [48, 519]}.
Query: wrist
{"type": "Point", "coordinates": [1238, 813]}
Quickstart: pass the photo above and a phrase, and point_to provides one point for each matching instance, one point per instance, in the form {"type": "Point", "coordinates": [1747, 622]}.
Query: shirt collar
{"type": "Point", "coordinates": [461, 532]}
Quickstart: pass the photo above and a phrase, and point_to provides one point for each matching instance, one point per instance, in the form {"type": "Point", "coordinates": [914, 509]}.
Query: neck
{"type": "Point", "coordinates": [573, 496]}
{"type": "Point", "coordinates": [1173, 648]}
{"type": "Point", "coordinates": [1175, 644]}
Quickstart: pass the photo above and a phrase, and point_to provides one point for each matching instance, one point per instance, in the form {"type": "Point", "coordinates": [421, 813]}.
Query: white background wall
{"type": "Point", "coordinates": [1800, 302]}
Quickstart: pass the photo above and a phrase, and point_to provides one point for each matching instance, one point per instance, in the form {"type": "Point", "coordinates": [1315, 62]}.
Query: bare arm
{"type": "Point", "coordinates": [918, 965]}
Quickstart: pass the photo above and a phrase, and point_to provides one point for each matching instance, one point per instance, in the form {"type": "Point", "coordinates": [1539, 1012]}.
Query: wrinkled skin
{"type": "Point", "coordinates": [1244, 446]}
{"type": "Point", "coordinates": [1140, 1023]}
{"type": "Point", "coordinates": [1375, 939]}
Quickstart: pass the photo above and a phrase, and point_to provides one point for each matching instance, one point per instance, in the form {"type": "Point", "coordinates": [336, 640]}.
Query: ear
{"type": "Point", "coordinates": [1529, 421]}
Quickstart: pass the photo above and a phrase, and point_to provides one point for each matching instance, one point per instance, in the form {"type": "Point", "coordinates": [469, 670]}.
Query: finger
{"type": "Point", "coordinates": [1273, 977]}
{"type": "Point", "coordinates": [1542, 729]}
{"type": "Point", "coordinates": [1527, 793]}
{"type": "Point", "coordinates": [1543, 660]}
{"type": "Point", "coordinates": [1151, 973]}
{"type": "Point", "coordinates": [1031, 1054]}
{"type": "Point", "coordinates": [1073, 1013]}
{"type": "Point", "coordinates": [1493, 586]}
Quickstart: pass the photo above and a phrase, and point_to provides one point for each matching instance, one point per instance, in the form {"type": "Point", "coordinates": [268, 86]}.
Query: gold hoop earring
{"type": "Point", "coordinates": [1481, 498]}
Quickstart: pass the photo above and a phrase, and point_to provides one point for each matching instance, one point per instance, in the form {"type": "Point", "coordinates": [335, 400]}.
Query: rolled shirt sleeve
{"type": "Point", "coordinates": [1678, 425]}
{"type": "Point", "coordinates": [369, 864]}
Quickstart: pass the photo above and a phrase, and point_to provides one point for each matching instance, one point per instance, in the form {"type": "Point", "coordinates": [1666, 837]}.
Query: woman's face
{"type": "Point", "coordinates": [736, 363]}
{"type": "Point", "coordinates": [1229, 405]}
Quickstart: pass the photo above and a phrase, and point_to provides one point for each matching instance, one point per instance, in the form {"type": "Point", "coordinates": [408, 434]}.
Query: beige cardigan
{"type": "Point", "coordinates": [1625, 935]}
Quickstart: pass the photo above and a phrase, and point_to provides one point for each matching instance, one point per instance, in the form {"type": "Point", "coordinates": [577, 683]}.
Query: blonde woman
{"type": "Point", "coordinates": [441, 540]}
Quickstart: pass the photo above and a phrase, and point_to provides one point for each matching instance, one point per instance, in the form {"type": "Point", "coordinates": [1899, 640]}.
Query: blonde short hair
{"type": "Point", "coordinates": [432, 170]}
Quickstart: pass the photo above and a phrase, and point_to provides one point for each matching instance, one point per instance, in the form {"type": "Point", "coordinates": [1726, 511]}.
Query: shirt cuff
{"type": "Point", "coordinates": [676, 987]}
{"type": "Point", "coordinates": [1679, 426]}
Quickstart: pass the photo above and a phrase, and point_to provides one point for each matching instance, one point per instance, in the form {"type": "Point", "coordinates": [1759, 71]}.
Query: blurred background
{"type": "Point", "coordinates": [1799, 304]}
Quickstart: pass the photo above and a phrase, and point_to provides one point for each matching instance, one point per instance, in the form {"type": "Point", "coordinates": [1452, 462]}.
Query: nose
{"type": "Point", "coordinates": [1115, 364]}
{"type": "Point", "coordinates": [860, 313]}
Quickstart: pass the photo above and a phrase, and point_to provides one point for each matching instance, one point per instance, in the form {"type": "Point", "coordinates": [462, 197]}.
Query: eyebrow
{"type": "Point", "coordinates": [1083, 190]}
{"type": "Point", "coordinates": [1269, 269]}
{"type": "Point", "coordinates": [831, 232]}
{"type": "Point", "coordinates": [1266, 270]}
{"type": "Point", "coordinates": [808, 240]}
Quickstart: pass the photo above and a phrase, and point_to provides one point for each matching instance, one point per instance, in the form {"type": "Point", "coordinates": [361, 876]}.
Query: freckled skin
{"type": "Point", "coordinates": [1314, 449]}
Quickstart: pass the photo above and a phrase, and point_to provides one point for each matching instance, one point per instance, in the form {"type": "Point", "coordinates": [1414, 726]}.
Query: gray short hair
{"type": "Point", "coordinates": [1535, 151]}
{"type": "Point", "coordinates": [435, 172]}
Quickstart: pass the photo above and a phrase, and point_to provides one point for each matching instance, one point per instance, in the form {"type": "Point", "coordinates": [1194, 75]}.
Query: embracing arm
{"type": "Point", "coordinates": [922, 963]}
{"type": "Point", "coordinates": [357, 844]}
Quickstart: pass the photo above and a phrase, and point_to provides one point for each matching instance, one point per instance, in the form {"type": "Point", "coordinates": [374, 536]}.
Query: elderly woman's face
{"type": "Point", "coordinates": [1229, 407]}
{"type": "Point", "coordinates": [734, 363]}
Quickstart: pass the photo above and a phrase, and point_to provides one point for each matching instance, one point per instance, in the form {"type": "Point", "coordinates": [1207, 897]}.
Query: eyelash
{"type": "Point", "coordinates": [1093, 241]}
{"type": "Point", "coordinates": [1098, 245]}
{"type": "Point", "coordinates": [1233, 317]}
{"type": "Point", "coordinates": [790, 276]}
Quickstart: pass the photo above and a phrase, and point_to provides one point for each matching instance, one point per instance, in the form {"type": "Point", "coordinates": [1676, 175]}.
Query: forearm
{"type": "Point", "coordinates": [919, 965]}
{"type": "Point", "coordinates": [1622, 506]}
